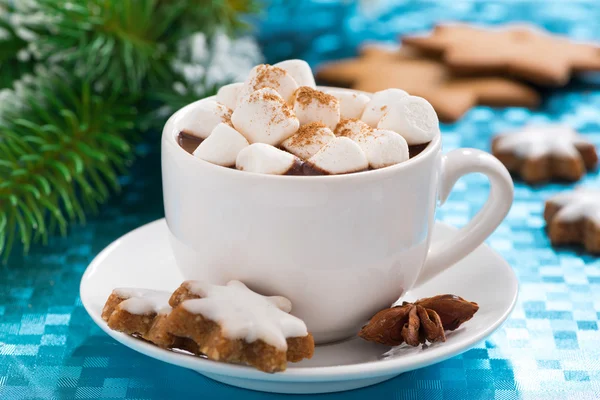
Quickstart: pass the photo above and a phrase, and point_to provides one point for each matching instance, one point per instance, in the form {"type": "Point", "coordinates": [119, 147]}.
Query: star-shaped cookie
{"type": "Point", "coordinates": [540, 153]}
{"type": "Point", "coordinates": [227, 323]}
{"type": "Point", "coordinates": [231, 323]}
{"type": "Point", "coordinates": [574, 218]}
{"type": "Point", "coordinates": [144, 313]}
{"type": "Point", "coordinates": [380, 68]}
{"type": "Point", "coordinates": [522, 51]}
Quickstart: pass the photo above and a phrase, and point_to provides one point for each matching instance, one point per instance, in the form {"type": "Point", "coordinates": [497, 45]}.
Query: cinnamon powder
{"type": "Point", "coordinates": [277, 106]}
{"type": "Point", "coordinates": [342, 128]}
{"type": "Point", "coordinates": [308, 134]}
{"type": "Point", "coordinates": [226, 119]}
{"type": "Point", "coordinates": [267, 76]}
{"type": "Point", "coordinates": [305, 95]}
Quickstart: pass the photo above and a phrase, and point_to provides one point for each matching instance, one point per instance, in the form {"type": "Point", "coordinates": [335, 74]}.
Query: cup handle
{"type": "Point", "coordinates": [454, 165]}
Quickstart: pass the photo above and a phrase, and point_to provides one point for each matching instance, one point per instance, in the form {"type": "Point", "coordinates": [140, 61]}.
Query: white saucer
{"type": "Point", "coordinates": [143, 258]}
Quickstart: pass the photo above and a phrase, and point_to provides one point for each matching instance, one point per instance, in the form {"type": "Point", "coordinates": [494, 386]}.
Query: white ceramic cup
{"type": "Point", "coordinates": [339, 247]}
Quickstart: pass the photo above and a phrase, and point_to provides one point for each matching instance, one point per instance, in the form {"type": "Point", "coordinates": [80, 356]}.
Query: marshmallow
{"type": "Point", "coordinates": [202, 119]}
{"type": "Point", "coordinates": [222, 146]}
{"type": "Point", "coordinates": [308, 140]}
{"type": "Point", "coordinates": [340, 156]}
{"type": "Point", "coordinates": [352, 104]}
{"type": "Point", "coordinates": [267, 76]}
{"type": "Point", "coordinates": [379, 104]}
{"type": "Point", "coordinates": [265, 159]}
{"type": "Point", "coordinates": [264, 117]}
{"type": "Point", "coordinates": [228, 94]}
{"type": "Point", "coordinates": [383, 148]}
{"type": "Point", "coordinates": [300, 71]}
{"type": "Point", "coordinates": [413, 118]}
{"type": "Point", "coordinates": [352, 128]}
{"type": "Point", "coordinates": [311, 105]}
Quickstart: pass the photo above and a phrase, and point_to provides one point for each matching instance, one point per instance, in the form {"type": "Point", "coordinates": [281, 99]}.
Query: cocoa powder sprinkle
{"type": "Point", "coordinates": [305, 95]}
{"type": "Point", "coordinates": [267, 76]}
{"type": "Point", "coordinates": [277, 106]}
{"type": "Point", "coordinates": [226, 119]}
{"type": "Point", "coordinates": [271, 97]}
{"type": "Point", "coordinates": [225, 115]}
{"type": "Point", "coordinates": [343, 128]}
{"type": "Point", "coordinates": [287, 111]}
{"type": "Point", "coordinates": [307, 134]}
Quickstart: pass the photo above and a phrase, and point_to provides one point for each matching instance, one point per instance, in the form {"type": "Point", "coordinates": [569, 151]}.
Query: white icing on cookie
{"type": "Point", "coordinates": [542, 140]}
{"type": "Point", "coordinates": [580, 203]}
{"type": "Point", "coordinates": [244, 314]}
{"type": "Point", "coordinates": [144, 301]}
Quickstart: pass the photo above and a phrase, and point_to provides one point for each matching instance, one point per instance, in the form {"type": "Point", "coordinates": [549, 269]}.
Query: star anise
{"type": "Point", "coordinates": [418, 322]}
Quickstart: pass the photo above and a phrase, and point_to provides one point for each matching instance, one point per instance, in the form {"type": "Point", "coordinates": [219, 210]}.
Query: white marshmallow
{"type": "Point", "coordinates": [352, 128]}
{"type": "Point", "coordinates": [264, 159]}
{"type": "Point", "coordinates": [228, 94]}
{"type": "Point", "coordinates": [379, 104]}
{"type": "Point", "coordinates": [413, 118]}
{"type": "Point", "coordinates": [300, 71]}
{"type": "Point", "coordinates": [340, 156]}
{"type": "Point", "coordinates": [222, 146]}
{"type": "Point", "coordinates": [264, 117]}
{"type": "Point", "coordinates": [203, 118]}
{"type": "Point", "coordinates": [308, 140]}
{"type": "Point", "coordinates": [383, 148]}
{"type": "Point", "coordinates": [352, 104]}
{"type": "Point", "coordinates": [311, 105]}
{"type": "Point", "coordinates": [267, 76]}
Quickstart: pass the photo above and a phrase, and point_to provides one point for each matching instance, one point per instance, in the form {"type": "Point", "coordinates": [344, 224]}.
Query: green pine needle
{"type": "Point", "coordinates": [119, 43]}
{"type": "Point", "coordinates": [217, 14]}
{"type": "Point", "coordinates": [14, 60]}
{"type": "Point", "coordinates": [61, 149]}
{"type": "Point", "coordinates": [66, 129]}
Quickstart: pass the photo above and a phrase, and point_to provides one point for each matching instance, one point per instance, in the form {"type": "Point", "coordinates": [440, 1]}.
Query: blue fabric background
{"type": "Point", "coordinates": [49, 347]}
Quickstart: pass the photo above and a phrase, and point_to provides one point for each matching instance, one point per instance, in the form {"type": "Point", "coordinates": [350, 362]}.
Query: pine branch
{"type": "Point", "coordinates": [218, 15]}
{"type": "Point", "coordinates": [65, 136]}
{"type": "Point", "coordinates": [118, 43]}
{"type": "Point", "coordinates": [62, 148]}
{"type": "Point", "coordinates": [114, 43]}
{"type": "Point", "coordinates": [15, 61]}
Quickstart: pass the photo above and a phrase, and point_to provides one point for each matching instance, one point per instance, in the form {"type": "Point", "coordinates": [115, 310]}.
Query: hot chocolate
{"type": "Point", "coordinates": [190, 143]}
{"type": "Point", "coordinates": [271, 124]}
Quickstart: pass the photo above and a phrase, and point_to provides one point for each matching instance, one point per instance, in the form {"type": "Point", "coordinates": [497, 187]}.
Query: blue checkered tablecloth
{"type": "Point", "coordinates": [549, 348]}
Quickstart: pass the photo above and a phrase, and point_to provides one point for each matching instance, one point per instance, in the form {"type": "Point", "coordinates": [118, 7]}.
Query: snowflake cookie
{"type": "Point", "coordinates": [540, 153]}
{"type": "Point", "coordinates": [143, 313]}
{"type": "Point", "coordinates": [574, 218]}
{"type": "Point", "coordinates": [231, 323]}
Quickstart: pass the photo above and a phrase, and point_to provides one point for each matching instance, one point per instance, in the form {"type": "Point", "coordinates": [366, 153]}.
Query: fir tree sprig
{"type": "Point", "coordinates": [15, 61]}
{"type": "Point", "coordinates": [225, 13]}
{"type": "Point", "coordinates": [66, 129]}
{"type": "Point", "coordinates": [121, 43]}
{"type": "Point", "coordinates": [62, 147]}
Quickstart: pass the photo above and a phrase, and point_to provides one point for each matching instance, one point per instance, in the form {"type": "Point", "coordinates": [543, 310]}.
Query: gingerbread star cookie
{"type": "Point", "coordinates": [540, 153]}
{"type": "Point", "coordinates": [227, 323]}
{"type": "Point", "coordinates": [522, 51]}
{"type": "Point", "coordinates": [574, 218]}
{"type": "Point", "coordinates": [231, 323]}
{"type": "Point", "coordinates": [380, 68]}
{"type": "Point", "coordinates": [143, 313]}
